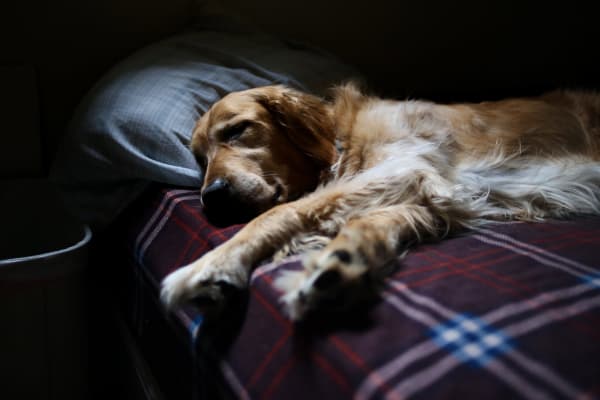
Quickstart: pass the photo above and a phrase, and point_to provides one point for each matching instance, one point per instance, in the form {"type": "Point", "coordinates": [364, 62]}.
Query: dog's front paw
{"type": "Point", "coordinates": [335, 277]}
{"type": "Point", "coordinates": [205, 278]}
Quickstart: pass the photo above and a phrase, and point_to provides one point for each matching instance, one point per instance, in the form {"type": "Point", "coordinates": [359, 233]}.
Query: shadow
{"type": "Point", "coordinates": [222, 322]}
{"type": "Point", "coordinates": [221, 326]}
{"type": "Point", "coordinates": [228, 213]}
{"type": "Point", "coordinates": [227, 218]}
{"type": "Point", "coordinates": [336, 315]}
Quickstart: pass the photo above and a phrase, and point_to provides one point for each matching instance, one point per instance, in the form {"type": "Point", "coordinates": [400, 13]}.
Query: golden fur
{"type": "Point", "coordinates": [362, 178]}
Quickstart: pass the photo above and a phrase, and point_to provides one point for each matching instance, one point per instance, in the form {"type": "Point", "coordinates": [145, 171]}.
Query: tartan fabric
{"type": "Point", "coordinates": [507, 311]}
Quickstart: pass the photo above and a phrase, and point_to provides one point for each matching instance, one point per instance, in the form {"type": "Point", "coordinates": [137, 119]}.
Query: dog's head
{"type": "Point", "coordinates": [261, 147]}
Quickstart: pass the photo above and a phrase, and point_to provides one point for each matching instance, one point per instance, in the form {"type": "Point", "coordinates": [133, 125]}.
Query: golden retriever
{"type": "Point", "coordinates": [362, 178]}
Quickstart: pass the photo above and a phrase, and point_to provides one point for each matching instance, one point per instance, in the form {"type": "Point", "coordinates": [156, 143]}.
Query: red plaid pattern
{"type": "Point", "coordinates": [508, 311]}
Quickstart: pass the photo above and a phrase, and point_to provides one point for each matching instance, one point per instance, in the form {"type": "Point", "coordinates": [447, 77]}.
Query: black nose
{"type": "Point", "coordinates": [216, 193]}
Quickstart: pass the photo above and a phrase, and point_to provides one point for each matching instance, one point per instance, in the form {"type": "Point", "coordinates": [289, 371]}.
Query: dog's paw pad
{"type": "Point", "coordinates": [202, 280]}
{"type": "Point", "coordinates": [326, 276]}
{"type": "Point", "coordinates": [176, 290]}
{"type": "Point", "coordinates": [328, 279]}
{"type": "Point", "coordinates": [344, 256]}
{"type": "Point", "coordinates": [348, 264]}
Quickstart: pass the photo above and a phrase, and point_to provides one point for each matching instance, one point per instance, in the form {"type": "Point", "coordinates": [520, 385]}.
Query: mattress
{"type": "Point", "coordinates": [506, 311]}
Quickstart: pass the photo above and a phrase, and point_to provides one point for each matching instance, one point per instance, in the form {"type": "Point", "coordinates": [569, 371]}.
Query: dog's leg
{"type": "Point", "coordinates": [231, 263]}
{"type": "Point", "coordinates": [356, 258]}
{"type": "Point", "coordinates": [370, 240]}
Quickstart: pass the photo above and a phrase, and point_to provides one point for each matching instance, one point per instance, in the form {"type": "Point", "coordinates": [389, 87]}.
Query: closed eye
{"type": "Point", "coordinates": [233, 132]}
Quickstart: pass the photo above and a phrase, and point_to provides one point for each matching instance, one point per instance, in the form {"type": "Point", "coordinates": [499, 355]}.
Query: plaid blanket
{"type": "Point", "coordinates": [507, 311]}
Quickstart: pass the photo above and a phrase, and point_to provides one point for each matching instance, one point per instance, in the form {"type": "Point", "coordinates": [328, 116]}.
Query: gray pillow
{"type": "Point", "coordinates": [134, 126]}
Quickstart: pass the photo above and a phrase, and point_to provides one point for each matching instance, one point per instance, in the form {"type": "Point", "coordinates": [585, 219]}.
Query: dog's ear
{"type": "Point", "coordinates": [305, 119]}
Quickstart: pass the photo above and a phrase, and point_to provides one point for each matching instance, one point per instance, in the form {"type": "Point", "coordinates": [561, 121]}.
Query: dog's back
{"type": "Point", "coordinates": [585, 105]}
{"type": "Point", "coordinates": [557, 123]}
{"type": "Point", "coordinates": [518, 158]}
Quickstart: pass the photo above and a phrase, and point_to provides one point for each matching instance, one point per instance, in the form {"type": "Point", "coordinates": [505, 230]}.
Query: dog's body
{"type": "Point", "coordinates": [367, 177]}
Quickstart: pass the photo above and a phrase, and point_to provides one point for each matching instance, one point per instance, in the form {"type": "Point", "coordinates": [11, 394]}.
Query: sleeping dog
{"type": "Point", "coordinates": [357, 179]}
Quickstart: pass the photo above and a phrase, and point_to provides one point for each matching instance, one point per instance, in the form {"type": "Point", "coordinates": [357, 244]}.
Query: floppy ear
{"type": "Point", "coordinates": [305, 119]}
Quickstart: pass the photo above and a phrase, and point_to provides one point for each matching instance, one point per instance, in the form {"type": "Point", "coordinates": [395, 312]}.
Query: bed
{"type": "Point", "coordinates": [507, 311]}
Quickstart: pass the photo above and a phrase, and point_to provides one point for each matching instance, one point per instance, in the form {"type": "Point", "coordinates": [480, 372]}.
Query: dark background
{"type": "Point", "coordinates": [449, 50]}
{"type": "Point", "coordinates": [440, 50]}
